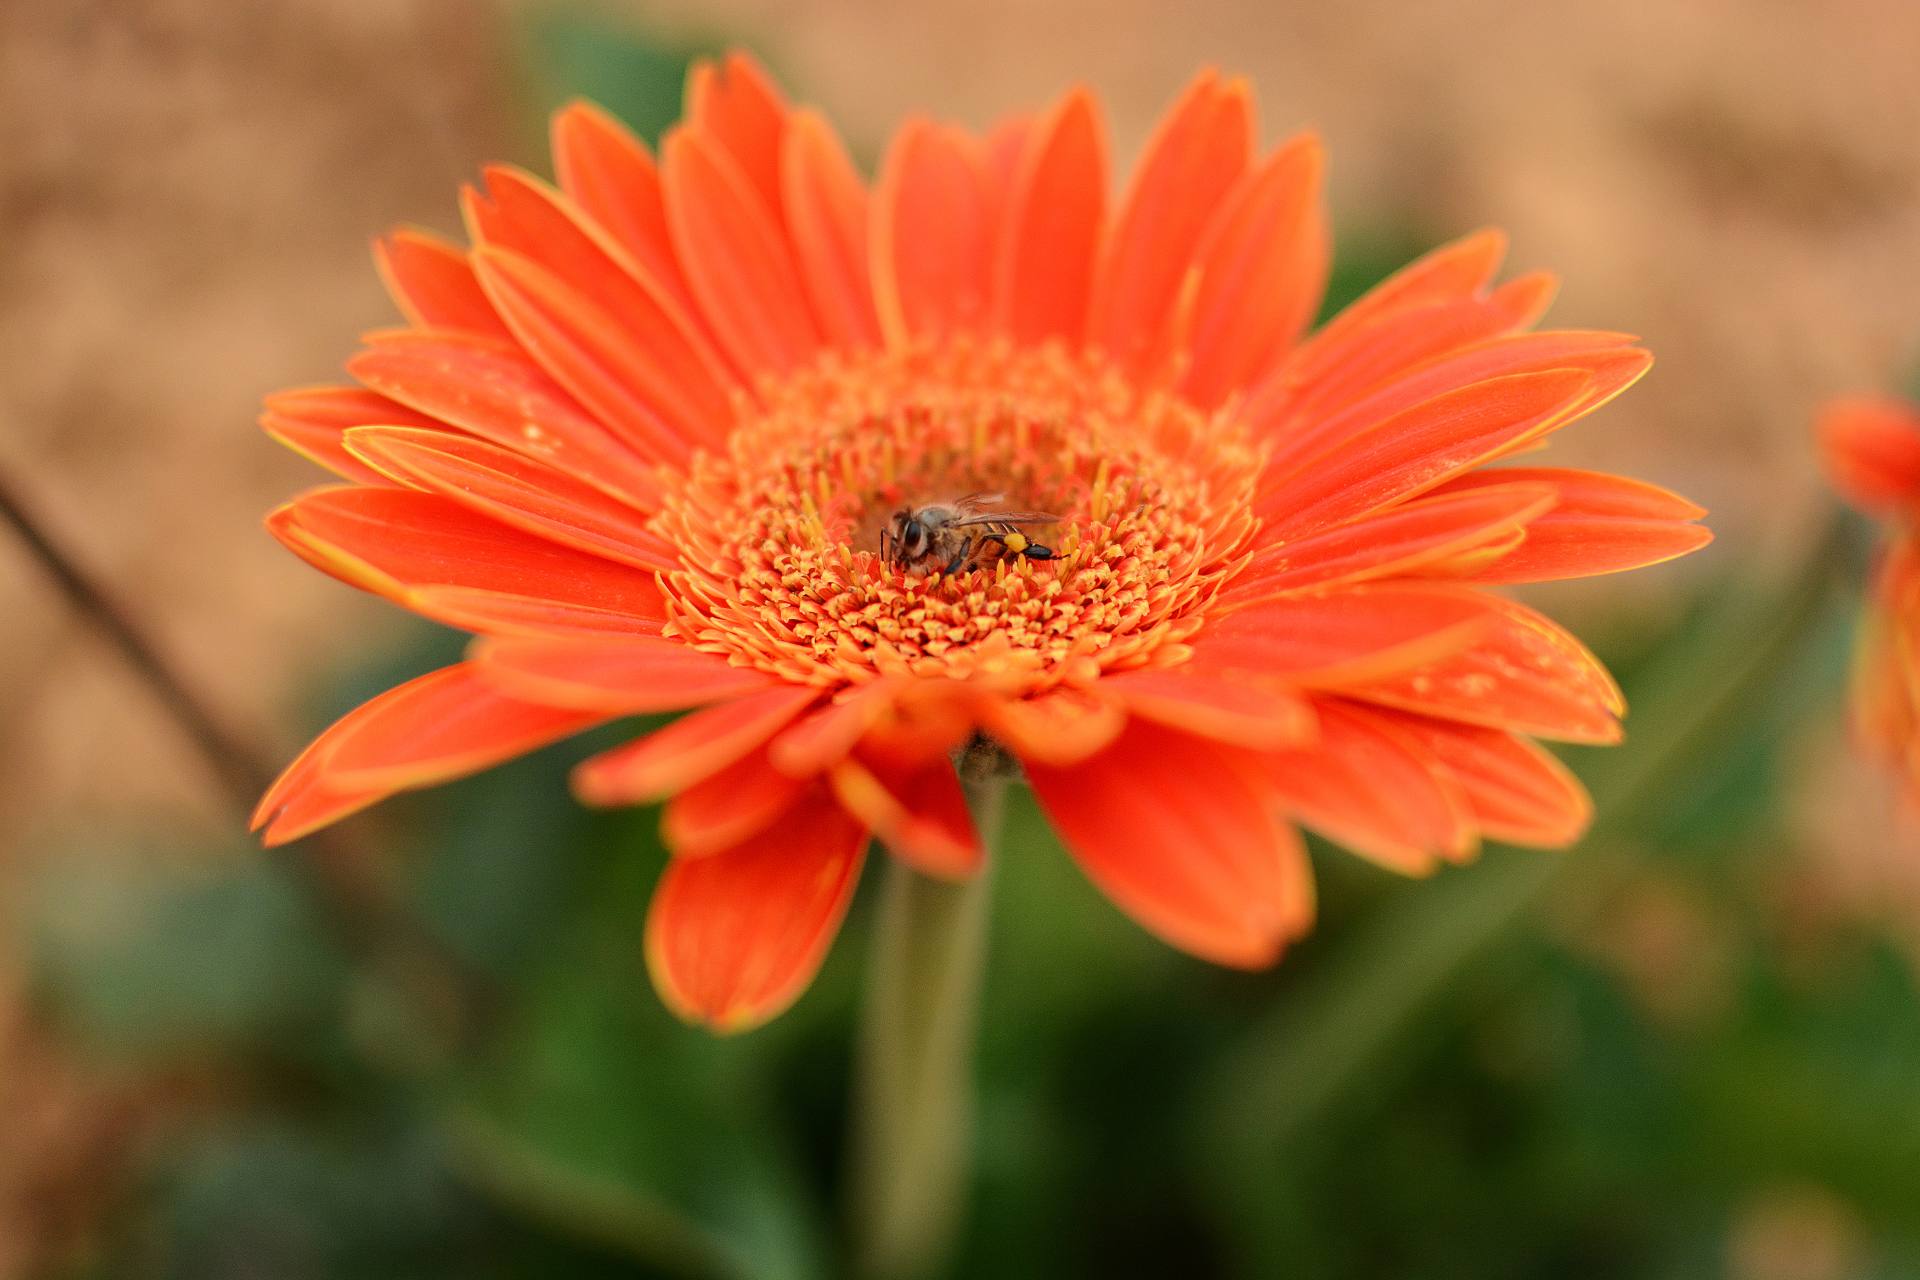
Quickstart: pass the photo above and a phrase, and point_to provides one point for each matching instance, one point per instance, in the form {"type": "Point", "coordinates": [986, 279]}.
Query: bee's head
{"type": "Point", "coordinates": [911, 534]}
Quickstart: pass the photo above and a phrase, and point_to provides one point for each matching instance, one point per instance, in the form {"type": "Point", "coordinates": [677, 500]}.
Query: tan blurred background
{"type": "Point", "coordinates": [187, 188]}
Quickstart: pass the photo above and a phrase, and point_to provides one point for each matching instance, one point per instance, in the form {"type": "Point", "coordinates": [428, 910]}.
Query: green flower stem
{"type": "Point", "coordinates": [913, 1109]}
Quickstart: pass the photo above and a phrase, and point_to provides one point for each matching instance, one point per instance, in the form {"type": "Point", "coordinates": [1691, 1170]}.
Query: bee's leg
{"type": "Point", "coordinates": [886, 547]}
{"type": "Point", "coordinates": [1016, 544]}
{"type": "Point", "coordinates": [960, 558]}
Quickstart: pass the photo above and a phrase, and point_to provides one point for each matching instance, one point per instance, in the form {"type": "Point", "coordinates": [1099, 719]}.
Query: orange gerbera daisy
{"type": "Point", "coordinates": [645, 436]}
{"type": "Point", "coordinates": [1871, 446]}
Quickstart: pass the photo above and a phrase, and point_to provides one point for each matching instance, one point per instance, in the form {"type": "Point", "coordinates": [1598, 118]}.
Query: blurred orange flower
{"type": "Point", "coordinates": [645, 436]}
{"type": "Point", "coordinates": [1871, 446]}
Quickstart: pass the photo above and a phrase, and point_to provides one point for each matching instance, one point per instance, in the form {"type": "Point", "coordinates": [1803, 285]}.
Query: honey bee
{"type": "Point", "coordinates": [969, 532]}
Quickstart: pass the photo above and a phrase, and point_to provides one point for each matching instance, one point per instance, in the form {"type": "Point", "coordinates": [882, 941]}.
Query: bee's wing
{"type": "Point", "coordinates": [1006, 517]}
{"type": "Point", "coordinates": [975, 503]}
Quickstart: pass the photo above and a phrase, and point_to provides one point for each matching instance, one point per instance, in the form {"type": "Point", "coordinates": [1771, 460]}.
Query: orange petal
{"type": "Point", "coordinates": [1059, 728]}
{"type": "Point", "coordinates": [390, 541]}
{"type": "Point", "coordinates": [1524, 674]}
{"type": "Point", "coordinates": [1181, 834]}
{"type": "Point", "coordinates": [443, 725]}
{"type": "Point", "coordinates": [516, 491]}
{"type": "Point", "coordinates": [1461, 269]}
{"type": "Point", "coordinates": [1516, 791]}
{"type": "Point", "coordinates": [1374, 789]}
{"type": "Point", "coordinates": [1400, 540]}
{"type": "Point", "coordinates": [1527, 298]}
{"type": "Point", "coordinates": [1599, 524]}
{"type": "Point", "coordinates": [520, 213]}
{"type": "Point", "coordinates": [930, 720]}
{"type": "Point", "coordinates": [1871, 447]}
{"type": "Point", "coordinates": [629, 378]}
{"type": "Point", "coordinates": [1335, 374]}
{"type": "Point", "coordinates": [1886, 681]}
{"type": "Point", "coordinates": [498, 394]}
{"type": "Point", "coordinates": [498, 613]}
{"type": "Point", "coordinates": [736, 257]}
{"type": "Point", "coordinates": [1261, 272]}
{"type": "Point", "coordinates": [1235, 711]}
{"type": "Point", "coordinates": [932, 238]}
{"type": "Point", "coordinates": [610, 175]}
{"type": "Point", "coordinates": [1297, 438]}
{"type": "Point", "coordinates": [303, 799]}
{"type": "Point", "coordinates": [826, 209]}
{"type": "Point", "coordinates": [1045, 256]}
{"type": "Point", "coordinates": [623, 675]}
{"type": "Point", "coordinates": [516, 211]}
{"type": "Point", "coordinates": [313, 422]}
{"type": "Point", "coordinates": [1348, 635]}
{"type": "Point", "coordinates": [734, 937]}
{"type": "Point", "coordinates": [691, 749]}
{"type": "Point", "coordinates": [739, 106]}
{"type": "Point", "coordinates": [571, 296]}
{"type": "Point", "coordinates": [1423, 447]}
{"type": "Point", "coordinates": [300, 803]}
{"type": "Point", "coordinates": [432, 283]}
{"type": "Point", "coordinates": [919, 814]}
{"type": "Point", "coordinates": [1195, 156]}
{"type": "Point", "coordinates": [735, 804]}
{"type": "Point", "coordinates": [1002, 153]}
{"type": "Point", "coordinates": [823, 738]}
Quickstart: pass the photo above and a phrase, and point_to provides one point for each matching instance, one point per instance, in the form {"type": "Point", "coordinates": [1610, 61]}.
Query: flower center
{"type": "Point", "coordinates": [781, 535]}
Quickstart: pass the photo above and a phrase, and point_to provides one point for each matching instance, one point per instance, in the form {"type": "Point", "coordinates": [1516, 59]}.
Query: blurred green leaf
{"type": "Point", "coordinates": [570, 51]}
{"type": "Point", "coordinates": [510, 853]}
{"type": "Point", "coordinates": [1271, 1107]}
{"type": "Point", "coordinates": [596, 1087]}
{"type": "Point", "coordinates": [1813, 1077]}
{"type": "Point", "coordinates": [279, 1200]}
{"type": "Point", "coordinates": [364, 1191]}
{"type": "Point", "coordinates": [164, 959]}
{"type": "Point", "coordinates": [1364, 256]}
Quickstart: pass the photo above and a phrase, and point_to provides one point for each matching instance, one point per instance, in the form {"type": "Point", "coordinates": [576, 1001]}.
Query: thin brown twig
{"type": "Point", "coordinates": [360, 912]}
{"type": "Point", "coordinates": [238, 769]}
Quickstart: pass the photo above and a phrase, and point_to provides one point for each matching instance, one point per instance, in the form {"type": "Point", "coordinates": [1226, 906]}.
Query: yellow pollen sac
{"type": "Point", "coordinates": [781, 531]}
